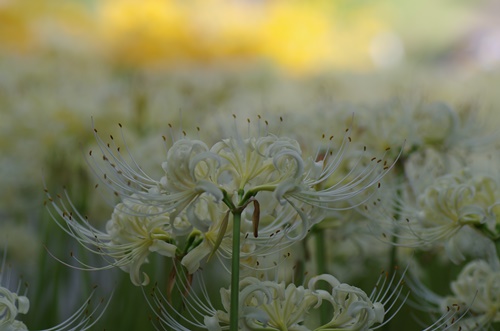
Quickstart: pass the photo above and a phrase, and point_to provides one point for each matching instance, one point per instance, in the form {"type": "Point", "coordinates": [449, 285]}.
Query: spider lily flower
{"type": "Point", "coordinates": [472, 304]}
{"type": "Point", "coordinates": [424, 126]}
{"type": "Point", "coordinates": [459, 211]}
{"type": "Point", "coordinates": [133, 237]}
{"type": "Point", "coordinates": [188, 171]}
{"type": "Point", "coordinates": [13, 303]}
{"type": "Point", "coordinates": [272, 305]}
{"type": "Point", "coordinates": [265, 178]}
{"type": "Point", "coordinates": [261, 177]}
{"type": "Point", "coordinates": [236, 169]}
{"type": "Point", "coordinates": [268, 305]}
{"type": "Point", "coordinates": [133, 232]}
{"type": "Point", "coordinates": [477, 287]}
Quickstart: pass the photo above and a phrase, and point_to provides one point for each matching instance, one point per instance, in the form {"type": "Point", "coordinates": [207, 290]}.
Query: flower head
{"type": "Point", "coordinates": [278, 191]}
{"type": "Point", "coordinates": [236, 169]}
{"type": "Point", "coordinates": [133, 232]}
{"type": "Point", "coordinates": [478, 288]}
{"type": "Point", "coordinates": [459, 211]}
{"type": "Point", "coordinates": [12, 303]}
{"type": "Point", "coordinates": [472, 305]}
{"type": "Point", "coordinates": [273, 305]}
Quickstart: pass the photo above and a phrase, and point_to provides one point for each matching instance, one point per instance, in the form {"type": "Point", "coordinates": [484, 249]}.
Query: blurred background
{"type": "Point", "coordinates": [298, 37]}
{"type": "Point", "coordinates": [152, 62]}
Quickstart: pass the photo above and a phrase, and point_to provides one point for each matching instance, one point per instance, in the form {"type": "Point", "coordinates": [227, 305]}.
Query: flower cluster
{"type": "Point", "coordinates": [258, 202]}
{"type": "Point", "coordinates": [271, 305]}
{"type": "Point", "coordinates": [279, 305]}
{"type": "Point", "coordinates": [187, 214]}
{"type": "Point", "coordinates": [443, 203]}
{"type": "Point", "coordinates": [458, 211]}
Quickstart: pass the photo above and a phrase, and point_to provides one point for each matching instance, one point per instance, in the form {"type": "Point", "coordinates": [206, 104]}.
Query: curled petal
{"type": "Point", "coordinates": [210, 188]}
{"type": "Point", "coordinates": [192, 259]}
{"type": "Point", "coordinates": [286, 187]}
{"type": "Point", "coordinates": [163, 248]}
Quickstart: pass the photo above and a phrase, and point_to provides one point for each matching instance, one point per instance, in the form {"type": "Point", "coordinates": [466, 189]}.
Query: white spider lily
{"type": "Point", "coordinates": [133, 237]}
{"type": "Point", "coordinates": [272, 305]}
{"type": "Point", "coordinates": [473, 304]}
{"type": "Point", "coordinates": [353, 309]}
{"type": "Point", "coordinates": [254, 162]}
{"type": "Point", "coordinates": [133, 232]}
{"type": "Point", "coordinates": [459, 211]}
{"type": "Point", "coordinates": [478, 288]}
{"type": "Point", "coordinates": [457, 200]}
{"type": "Point", "coordinates": [188, 174]}
{"type": "Point", "coordinates": [424, 125]}
{"type": "Point", "coordinates": [268, 170]}
{"type": "Point", "coordinates": [12, 303]}
{"type": "Point", "coordinates": [136, 230]}
{"type": "Point", "coordinates": [236, 169]}
{"type": "Point", "coordinates": [269, 305]}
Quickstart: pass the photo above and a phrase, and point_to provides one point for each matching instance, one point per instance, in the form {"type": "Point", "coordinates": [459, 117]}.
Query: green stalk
{"type": "Point", "coordinates": [235, 273]}
{"type": "Point", "coordinates": [319, 240]}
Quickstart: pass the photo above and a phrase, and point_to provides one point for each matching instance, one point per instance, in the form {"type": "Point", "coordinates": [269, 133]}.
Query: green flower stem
{"type": "Point", "coordinates": [319, 241]}
{"type": "Point", "coordinates": [235, 272]}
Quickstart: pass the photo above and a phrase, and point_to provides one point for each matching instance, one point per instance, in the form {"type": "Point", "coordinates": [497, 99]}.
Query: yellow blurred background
{"type": "Point", "coordinates": [298, 36]}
